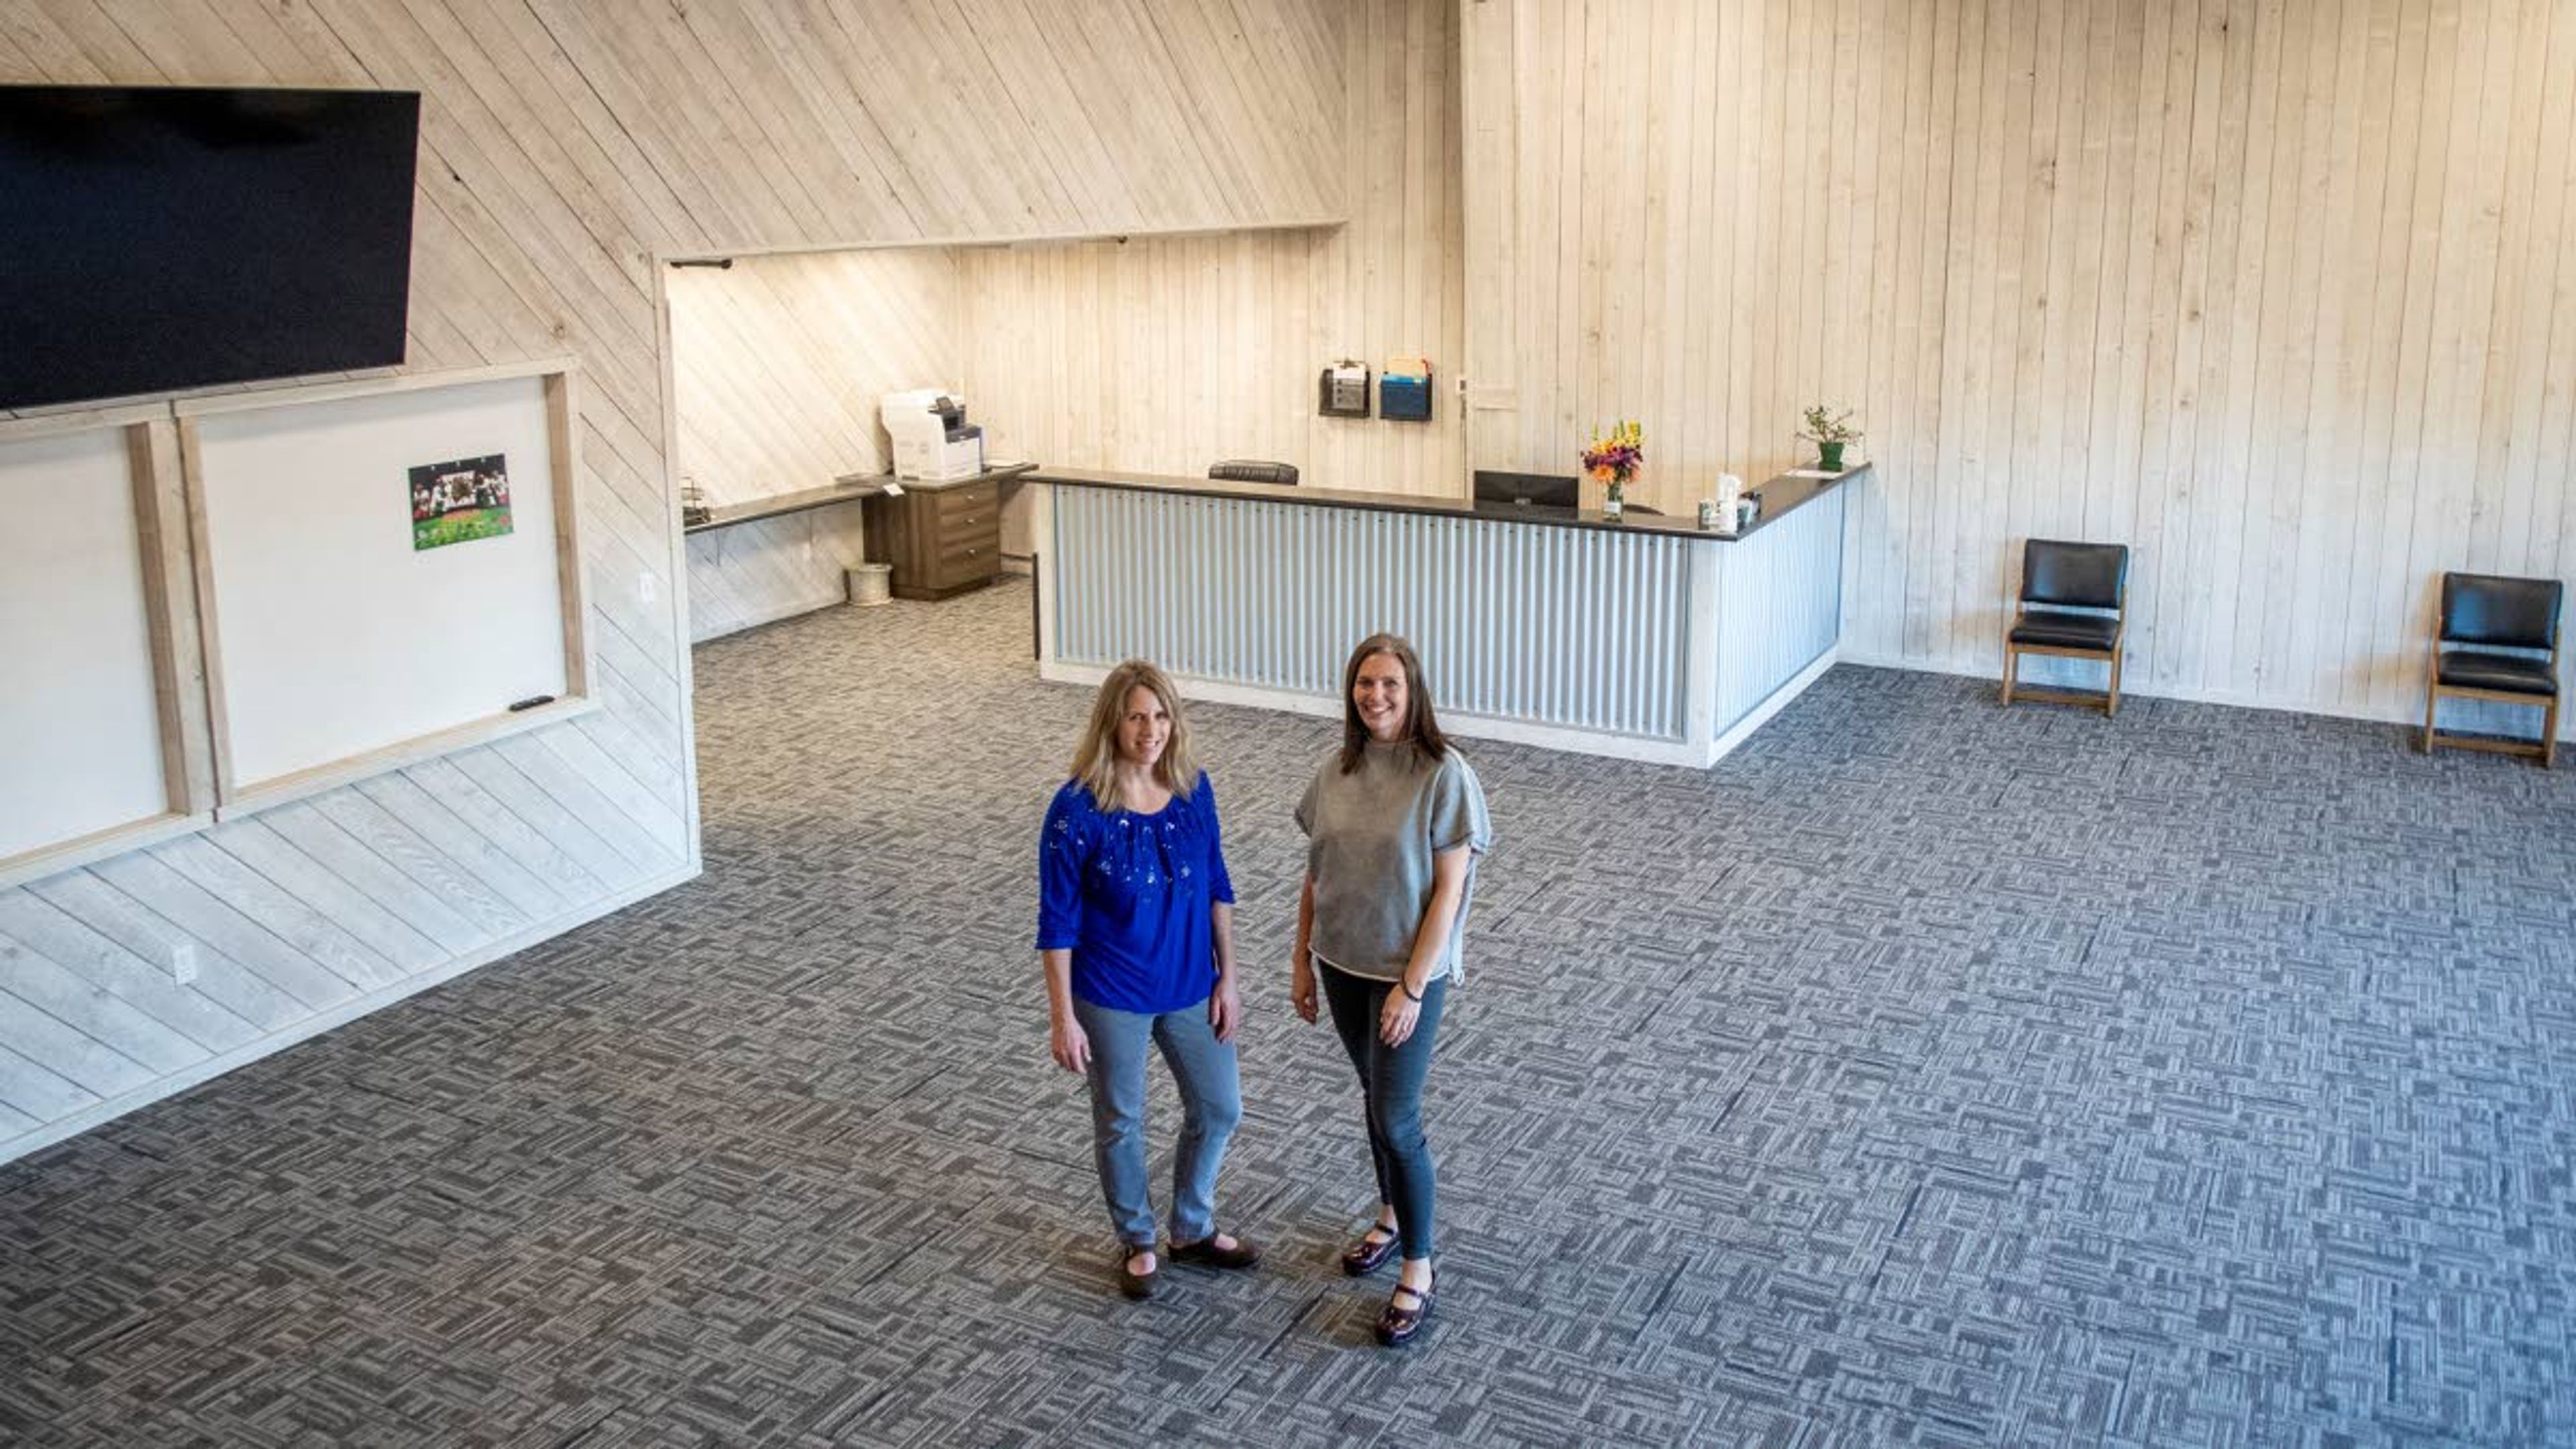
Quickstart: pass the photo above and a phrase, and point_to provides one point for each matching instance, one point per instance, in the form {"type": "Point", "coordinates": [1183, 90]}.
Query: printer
{"type": "Point", "coordinates": [932, 439]}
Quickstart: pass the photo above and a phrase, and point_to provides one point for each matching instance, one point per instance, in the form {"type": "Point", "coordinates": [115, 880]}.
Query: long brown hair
{"type": "Point", "coordinates": [1095, 761]}
{"type": "Point", "coordinates": [1421, 726]}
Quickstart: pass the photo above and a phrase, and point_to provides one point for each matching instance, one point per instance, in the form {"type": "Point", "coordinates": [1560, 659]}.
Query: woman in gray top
{"type": "Point", "coordinates": [1394, 822]}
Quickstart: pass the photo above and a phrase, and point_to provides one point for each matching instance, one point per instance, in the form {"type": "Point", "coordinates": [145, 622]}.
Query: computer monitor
{"type": "Point", "coordinates": [1530, 490]}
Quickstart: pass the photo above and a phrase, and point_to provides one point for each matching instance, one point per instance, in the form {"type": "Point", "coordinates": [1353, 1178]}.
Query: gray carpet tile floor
{"type": "Point", "coordinates": [1925, 1073]}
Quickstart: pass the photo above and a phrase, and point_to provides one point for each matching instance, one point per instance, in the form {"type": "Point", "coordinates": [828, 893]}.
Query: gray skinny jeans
{"type": "Point", "coordinates": [1211, 1105]}
{"type": "Point", "coordinates": [1391, 1079]}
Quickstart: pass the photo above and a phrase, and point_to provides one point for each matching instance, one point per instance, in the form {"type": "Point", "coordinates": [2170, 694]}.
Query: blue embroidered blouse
{"type": "Point", "coordinates": [1130, 895]}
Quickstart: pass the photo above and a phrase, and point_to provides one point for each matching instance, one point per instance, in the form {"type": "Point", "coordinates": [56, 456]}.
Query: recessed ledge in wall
{"type": "Point", "coordinates": [1038, 239]}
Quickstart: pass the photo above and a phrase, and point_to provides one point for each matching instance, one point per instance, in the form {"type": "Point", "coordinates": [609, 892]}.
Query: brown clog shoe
{"type": "Point", "coordinates": [1398, 1324]}
{"type": "Point", "coordinates": [1206, 1254]}
{"type": "Point", "coordinates": [1369, 1252]}
{"type": "Point", "coordinates": [1136, 1285]}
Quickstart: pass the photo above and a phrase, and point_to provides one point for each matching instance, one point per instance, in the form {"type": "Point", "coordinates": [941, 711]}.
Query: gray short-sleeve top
{"type": "Point", "coordinates": [1370, 836]}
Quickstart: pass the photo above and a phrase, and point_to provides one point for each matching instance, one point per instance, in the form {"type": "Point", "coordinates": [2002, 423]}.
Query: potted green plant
{"type": "Point", "coordinates": [1830, 432]}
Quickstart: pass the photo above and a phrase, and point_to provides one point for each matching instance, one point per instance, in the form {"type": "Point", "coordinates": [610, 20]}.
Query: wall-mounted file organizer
{"type": "Point", "coordinates": [1343, 391]}
{"type": "Point", "coordinates": [1404, 392]}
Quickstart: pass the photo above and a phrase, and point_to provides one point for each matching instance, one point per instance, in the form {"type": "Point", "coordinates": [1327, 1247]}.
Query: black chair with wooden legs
{"type": "Point", "coordinates": [2074, 605]}
{"type": "Point", "coordinates": [2482, 614]}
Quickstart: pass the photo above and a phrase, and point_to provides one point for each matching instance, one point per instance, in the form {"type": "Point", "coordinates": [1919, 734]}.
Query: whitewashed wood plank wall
{"type": "Point", "coordinates": [566, 147]}
{"type": "Point", "coordinates": [1158, 354]}
{"type": "Point", "coordinates": [778, 366]}
{"type": "Point", "coordinates": [1166, 354]}
{"type": "Point", "coordinates": [2281, 294]}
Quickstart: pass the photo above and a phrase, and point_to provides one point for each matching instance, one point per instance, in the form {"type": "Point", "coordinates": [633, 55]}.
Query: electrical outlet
{"type": "Point", "coordinates": [183, 962]}
{"type": "Point", "coordinates": [644, 587]}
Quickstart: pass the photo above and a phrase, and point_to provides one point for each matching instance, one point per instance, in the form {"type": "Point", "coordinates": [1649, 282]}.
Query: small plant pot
{"type": "Point", "coordinates": [1830, 455]}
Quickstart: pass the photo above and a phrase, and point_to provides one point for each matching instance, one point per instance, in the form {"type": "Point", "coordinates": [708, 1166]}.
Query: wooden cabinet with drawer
{"type": "Point", "coordinates": [942, 539]}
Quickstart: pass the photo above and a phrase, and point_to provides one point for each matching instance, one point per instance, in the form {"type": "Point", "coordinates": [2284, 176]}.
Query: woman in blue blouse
{"type": "Point", "coordinates": [1136, 931]}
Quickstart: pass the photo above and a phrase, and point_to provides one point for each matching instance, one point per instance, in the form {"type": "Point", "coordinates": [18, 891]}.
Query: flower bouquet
{"type": "Point", "coordinates": [1612, 460]}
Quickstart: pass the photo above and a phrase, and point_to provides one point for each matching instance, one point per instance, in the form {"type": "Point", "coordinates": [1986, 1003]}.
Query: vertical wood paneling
{"type": "Point", "coordinates": [1171, 371]}
{"type": "Point", "coordinates": [2276, 292]}
{"type": "Point", "coordinates": [565, 147]}
{"type": "Point", "coordinates": [1165, 354]}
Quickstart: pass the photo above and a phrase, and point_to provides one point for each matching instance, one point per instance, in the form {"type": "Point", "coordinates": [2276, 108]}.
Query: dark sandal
{"type": "Point", "coordinates": [1397, 1325]}
{"type": "Point", "coordinates": [1206, 1254]}
{"type": "Point", "coordinates": [1366, 1256]}
{"type": "Point", "coordinates": [1136, 1285]}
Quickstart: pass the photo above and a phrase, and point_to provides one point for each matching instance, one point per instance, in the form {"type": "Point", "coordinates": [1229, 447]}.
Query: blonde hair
{"type": "Point", "coordinates": [1095, 761]}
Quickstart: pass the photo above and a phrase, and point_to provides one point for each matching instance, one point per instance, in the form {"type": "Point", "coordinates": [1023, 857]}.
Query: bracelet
{"type": "Point", "coordinates": [1409, 993]}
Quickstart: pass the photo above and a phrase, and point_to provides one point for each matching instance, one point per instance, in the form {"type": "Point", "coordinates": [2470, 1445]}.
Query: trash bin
{"type": "Point", "coordinates": [871, 583]}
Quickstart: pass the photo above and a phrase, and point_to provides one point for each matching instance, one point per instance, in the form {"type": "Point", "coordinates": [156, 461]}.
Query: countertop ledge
{"type": "Point", "coordinates": [848, 488]}
{"type": "Point", "coordinates": [1781, 496]}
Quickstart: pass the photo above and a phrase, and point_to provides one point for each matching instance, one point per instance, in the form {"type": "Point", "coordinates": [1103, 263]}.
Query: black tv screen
{"type": "Point", "coordinates": [160, 238]}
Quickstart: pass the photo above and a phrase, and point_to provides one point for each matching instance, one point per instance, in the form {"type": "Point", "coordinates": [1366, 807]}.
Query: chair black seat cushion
{"type": "Point", "coordinates": [2476, 669]}
{"type": "Point", "coordinates": [2050, 630]}
{"type": "Point", "coordinates": [1254, 470]}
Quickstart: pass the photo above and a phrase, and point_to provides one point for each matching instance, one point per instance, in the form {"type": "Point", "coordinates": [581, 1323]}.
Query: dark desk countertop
{"type": "Point", "coordinates": [1781, 496]}
{"type": "Point", "coordinates": [849, 488]}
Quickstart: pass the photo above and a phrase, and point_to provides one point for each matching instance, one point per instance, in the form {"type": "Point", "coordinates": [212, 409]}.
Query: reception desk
{"type": "Point", "coordinates": [1644, 639]}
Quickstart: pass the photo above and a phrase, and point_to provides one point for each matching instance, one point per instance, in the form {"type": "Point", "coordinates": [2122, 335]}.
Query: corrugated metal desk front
{"type": "Point", "coordinates": [1644, 639]}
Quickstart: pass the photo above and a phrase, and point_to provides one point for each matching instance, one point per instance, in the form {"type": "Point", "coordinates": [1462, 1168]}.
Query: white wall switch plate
{"type": "Point", "coordinates": [645, 585]}
{"type": "Point", "coordinates": [183, 962]}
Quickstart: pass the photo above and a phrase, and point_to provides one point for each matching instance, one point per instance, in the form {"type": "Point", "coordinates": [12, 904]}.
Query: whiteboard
{"type": "Point", "coordinates": [80, 730]}
{"type": "Point", "coordinates": [336, 637]}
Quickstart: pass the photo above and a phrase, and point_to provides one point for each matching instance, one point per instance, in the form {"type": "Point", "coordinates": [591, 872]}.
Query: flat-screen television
{"type": "Point", "coordinates": [158, 238]}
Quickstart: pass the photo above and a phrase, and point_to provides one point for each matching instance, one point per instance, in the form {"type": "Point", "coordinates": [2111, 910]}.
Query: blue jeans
{"type": "Point", "coordinates": [1211, 1105]}
{"type": "Point", "coordinates": [1392, 1078]}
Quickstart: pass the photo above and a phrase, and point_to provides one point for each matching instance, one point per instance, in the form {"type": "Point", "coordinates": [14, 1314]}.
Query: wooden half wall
{"type": "Point", "coordinates": [566, 149]}
{"type": "Point", "coordinates": [2282, 295]}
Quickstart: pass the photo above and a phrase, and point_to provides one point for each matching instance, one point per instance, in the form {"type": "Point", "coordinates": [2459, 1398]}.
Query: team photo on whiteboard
{"type": "Point", "coordinates": [460, 501]}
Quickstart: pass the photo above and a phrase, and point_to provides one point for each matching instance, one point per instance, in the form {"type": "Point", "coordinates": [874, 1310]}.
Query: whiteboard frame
{"type": "Point", "coordinates": [169, 608]}
{"type": "Point", "coordinates": [234, 797]}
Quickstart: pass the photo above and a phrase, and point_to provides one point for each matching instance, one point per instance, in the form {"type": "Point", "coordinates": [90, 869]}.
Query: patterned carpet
{"type": "Point", "coordinates": [1925, 1073]}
